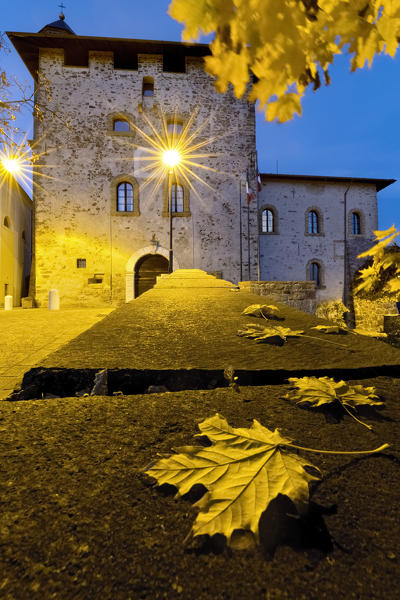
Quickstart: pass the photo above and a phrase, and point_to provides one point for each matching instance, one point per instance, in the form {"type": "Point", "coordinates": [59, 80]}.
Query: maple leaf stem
{"type": "Point", "coordinates": [354, 417]}
{"type": "Point", "coordinates": [328, 342]}
{"type": "Point", "coordinates": [383, 447]}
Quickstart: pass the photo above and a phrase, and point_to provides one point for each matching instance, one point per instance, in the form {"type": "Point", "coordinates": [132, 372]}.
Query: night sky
{"type": "Point", "coordinates": [351, 128]}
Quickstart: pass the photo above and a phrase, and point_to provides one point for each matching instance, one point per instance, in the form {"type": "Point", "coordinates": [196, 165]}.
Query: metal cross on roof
{"type": "Point", "coordinates": [61, 6]}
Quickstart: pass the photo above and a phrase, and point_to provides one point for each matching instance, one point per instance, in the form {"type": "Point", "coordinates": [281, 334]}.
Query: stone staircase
{"type": "Point", "coordinates": [190, 278]}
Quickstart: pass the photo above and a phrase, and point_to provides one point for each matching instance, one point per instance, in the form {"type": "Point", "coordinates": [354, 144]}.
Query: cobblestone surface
{"type": "Point", "coordinates": [184, 328]}
{"type": "Point", "coordinates": [27, 336]}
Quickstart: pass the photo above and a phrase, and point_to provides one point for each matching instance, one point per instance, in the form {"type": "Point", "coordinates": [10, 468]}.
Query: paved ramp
{"type": "Point", "coordinates": [186, 333]}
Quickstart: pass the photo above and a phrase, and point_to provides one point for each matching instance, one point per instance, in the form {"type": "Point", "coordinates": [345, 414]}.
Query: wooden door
{"type": "Point", "coordinates": [147, 269]}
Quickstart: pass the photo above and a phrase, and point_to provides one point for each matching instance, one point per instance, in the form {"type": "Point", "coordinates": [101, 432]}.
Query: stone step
{"type": "Point", "coordinates": [190, 278]}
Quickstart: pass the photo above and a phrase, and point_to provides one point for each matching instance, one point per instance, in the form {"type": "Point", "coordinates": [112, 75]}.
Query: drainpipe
{"type": "Point", "coordinates": [240, 228]}
{"type": "Point", "coordinates": [346, 295]}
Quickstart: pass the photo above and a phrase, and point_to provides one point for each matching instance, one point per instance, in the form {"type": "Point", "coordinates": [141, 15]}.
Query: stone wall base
{"type": "Point", "coordinates": [370, 314]}
{"type": "Point", "coordinates": [391, 325]}
{"type": "Point", "coordinates": [297, 294]}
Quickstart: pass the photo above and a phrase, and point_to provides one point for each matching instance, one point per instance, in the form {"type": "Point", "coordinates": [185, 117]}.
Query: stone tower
{"type": "Point", "coordinates": [102, 215]}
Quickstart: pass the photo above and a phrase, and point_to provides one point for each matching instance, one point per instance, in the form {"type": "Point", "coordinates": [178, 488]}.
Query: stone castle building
{"type": "Point", "coordinates": [102, 221]}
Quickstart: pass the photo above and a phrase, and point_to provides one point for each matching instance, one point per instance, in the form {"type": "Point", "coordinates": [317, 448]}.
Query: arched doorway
{"type": "Point", "coordinates": [147, 269]}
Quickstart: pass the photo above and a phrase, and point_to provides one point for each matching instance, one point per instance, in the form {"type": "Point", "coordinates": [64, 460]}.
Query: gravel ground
{"type": "Point", "coordinates": [79, 520]}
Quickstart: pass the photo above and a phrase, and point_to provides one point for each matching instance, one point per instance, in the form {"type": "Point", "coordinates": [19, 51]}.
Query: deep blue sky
{"type": "Point", "coordinates": [350, 128]}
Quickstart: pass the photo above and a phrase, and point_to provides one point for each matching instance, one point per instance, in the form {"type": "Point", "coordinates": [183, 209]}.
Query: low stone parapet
{"type": "Point", "coordinates": [297, 294]}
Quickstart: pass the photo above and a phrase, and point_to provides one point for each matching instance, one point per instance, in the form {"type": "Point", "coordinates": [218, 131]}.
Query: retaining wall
{"type": "Point", "coordinates": [297, 294]}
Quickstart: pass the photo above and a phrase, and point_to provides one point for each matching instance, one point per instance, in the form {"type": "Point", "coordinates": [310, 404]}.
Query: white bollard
{"type": "Point", "coordinates": [8, 302]}
{"type": "Point", "coordinates": [54, 300]}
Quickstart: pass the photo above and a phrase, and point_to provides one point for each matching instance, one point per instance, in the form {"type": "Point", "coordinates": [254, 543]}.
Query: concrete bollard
{"type": "Point", "coordinates": [54, 300]}
{"type": "Point", "coordinates": [8, 302]}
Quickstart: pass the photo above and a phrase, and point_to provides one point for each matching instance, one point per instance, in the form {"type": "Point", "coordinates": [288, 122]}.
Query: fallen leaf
{"type": "Point", "coordinates": [261, 310]}
{"type": "Point", "coordinates": [243, 470]}
{"type": "Point", "coordinates": [276, 334]}
{"type": "Point", "coordinates": [359, 395]}
{"type": "Point", "coordinates": [314, 390]}
{"type": "Point", "coordinates": [317, 391]}
{"type": "Point", "coordinates": [369, 333]}
{"type": "Point", "coordinates": [330, 329]}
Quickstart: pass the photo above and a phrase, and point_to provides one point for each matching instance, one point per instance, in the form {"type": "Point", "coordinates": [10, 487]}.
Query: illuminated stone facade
{"type": "Point", "coordinates": [76, 212]}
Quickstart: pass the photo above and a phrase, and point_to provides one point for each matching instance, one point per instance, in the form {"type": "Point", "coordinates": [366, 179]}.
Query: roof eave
{"type": "Point", "coordinates": [380, 184]}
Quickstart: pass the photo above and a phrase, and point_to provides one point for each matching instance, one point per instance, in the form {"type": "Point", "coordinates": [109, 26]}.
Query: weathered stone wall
{"type": "Point", "coordinates": [75, 211]}
{"type": "Point", "coordinates": [15, 240]}
{"type": "Point", "coordinates": [286, 253]}
{"type": "Point", "coordinates": [370, 314]}
{"type": "Point", "coordinates": [297, 294]}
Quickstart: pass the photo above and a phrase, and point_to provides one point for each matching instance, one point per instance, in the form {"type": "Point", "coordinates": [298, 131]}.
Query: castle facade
{"type": "Point", "coordinates": [103, 219]}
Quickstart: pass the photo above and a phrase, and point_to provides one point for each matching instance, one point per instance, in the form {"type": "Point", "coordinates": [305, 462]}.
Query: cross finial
{"type": "Point", "coordinates": [62, 17]}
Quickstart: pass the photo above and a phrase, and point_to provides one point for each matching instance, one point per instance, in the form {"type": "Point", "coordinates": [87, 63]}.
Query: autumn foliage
{"type": "Point", "coordinates": [287, 45]}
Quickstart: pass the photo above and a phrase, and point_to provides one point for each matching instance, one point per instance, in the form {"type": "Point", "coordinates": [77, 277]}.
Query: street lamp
{"type": "Point", "coordinates": [171, 158]}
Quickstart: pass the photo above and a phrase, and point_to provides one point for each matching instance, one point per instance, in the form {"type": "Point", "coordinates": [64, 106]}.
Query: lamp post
{"type": "Point", "coordinates": [171, 158]}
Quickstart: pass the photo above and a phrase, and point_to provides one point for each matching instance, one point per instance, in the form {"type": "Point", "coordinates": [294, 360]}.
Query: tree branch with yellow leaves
{"type": "Point", "coordinates": [275, 49]}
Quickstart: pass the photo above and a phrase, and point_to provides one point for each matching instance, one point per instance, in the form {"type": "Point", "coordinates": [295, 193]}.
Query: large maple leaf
{"type": "Point", "coordinates": [243, 470]}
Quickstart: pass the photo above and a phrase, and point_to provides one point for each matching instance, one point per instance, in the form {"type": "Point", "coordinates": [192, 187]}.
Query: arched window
{"type": "Point", "coordinates": [125, 197]}
{"type": "Point", "coordinates": [176, 198]}
{"type": "Point", "coordinates": [313, 222]}
{"type": "Point", "coordinates": [315, 273]}
{"type": "Point", "coordinates": [267, 221]}
{"type": "Point", "coordinates": [148, 86]}
{"type": "Point", "coordinates": [355, 223]}
{"type": "Point", "coordinates": [6, 222]}
{"type": "Point", "coordinates": [120, 125]}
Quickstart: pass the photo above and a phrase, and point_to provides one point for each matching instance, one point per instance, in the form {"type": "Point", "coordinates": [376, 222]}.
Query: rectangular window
{"type": "Point", "coordinates": [81, 263]}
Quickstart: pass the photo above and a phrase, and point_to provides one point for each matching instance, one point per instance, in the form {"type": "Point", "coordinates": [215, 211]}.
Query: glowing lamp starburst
{"type": "Point", "coordinates": [12, 165]}
{"type": "Point", "coordinates": [171, 158]}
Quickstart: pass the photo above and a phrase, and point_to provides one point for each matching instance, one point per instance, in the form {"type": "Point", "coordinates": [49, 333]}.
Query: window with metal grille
{"type": "Point", "coordinates": [81, 263]}
{"type": "Point", "coordinates": [315, 273]}
{"type": "Point", "coordinates": [125, 197]}
{"type": "Point", "coordinates": [313, 222]}
{"type": "Point", "coordinates": [267, 221]}
{"type": "Point", "coordinates": [176, 198]}
{"type": "Point", "coordinates": [120, 125]}
{"type": "Point", "coordinates": [355, 224]}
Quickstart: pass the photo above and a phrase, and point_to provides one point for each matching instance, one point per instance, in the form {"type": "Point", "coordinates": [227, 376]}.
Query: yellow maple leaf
{"type": "Point", "coordinates": [284, 108]}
